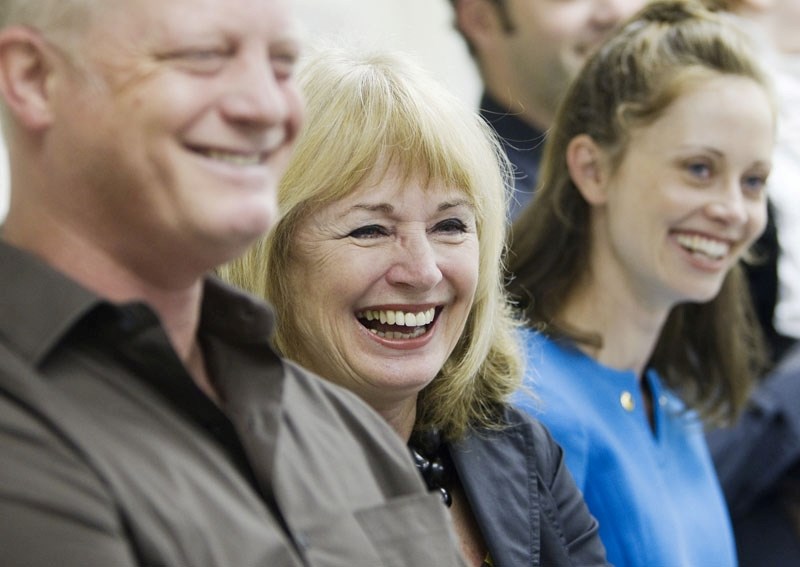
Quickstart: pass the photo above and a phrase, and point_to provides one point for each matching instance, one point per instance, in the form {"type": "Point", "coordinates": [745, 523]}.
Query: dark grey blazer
{"type": "Point", "coordinates": [753, 458]}
{"type": "Point", "coordinates": [525, 501]}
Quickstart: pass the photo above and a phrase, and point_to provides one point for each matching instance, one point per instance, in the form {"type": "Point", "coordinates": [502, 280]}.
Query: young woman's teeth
{"type": "Point", "coordinates": [714, 249]}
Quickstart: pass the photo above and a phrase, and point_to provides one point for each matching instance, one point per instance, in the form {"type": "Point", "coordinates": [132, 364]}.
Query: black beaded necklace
{"type": "Point", "coordinates": [433, 462]}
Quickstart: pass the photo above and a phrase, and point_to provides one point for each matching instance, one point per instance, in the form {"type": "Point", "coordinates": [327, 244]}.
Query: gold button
{"type": "Point", "coordinates": [626, 401]}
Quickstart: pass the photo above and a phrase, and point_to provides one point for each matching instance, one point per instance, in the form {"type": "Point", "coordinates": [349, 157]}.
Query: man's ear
{"type": "Point", "coordinates": [24, 76]}
{"type": "Point", "coordinates": [587, 168]}
{"type": "Point", "coordinates": [478, 20]}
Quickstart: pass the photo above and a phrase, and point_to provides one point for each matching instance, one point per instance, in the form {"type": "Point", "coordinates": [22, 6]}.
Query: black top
{"type": "Point", "coordinates": [523, 144]}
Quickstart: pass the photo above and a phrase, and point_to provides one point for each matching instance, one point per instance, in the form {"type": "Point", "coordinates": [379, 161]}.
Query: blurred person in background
{"type": "Point", "coordinates": [527, 52]}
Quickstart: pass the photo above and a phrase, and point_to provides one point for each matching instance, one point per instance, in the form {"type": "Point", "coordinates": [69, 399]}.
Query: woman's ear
{"type": "Point", "coordinates": [587, 168]}
{"type": "Point", "coordinates": [25, 72]}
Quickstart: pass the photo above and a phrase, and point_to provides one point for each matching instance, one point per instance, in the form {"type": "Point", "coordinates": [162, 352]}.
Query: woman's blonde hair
{"type": "Point", "coordinates": [709, 352]}
{"type": "Point", "coordinates": [367, 112]}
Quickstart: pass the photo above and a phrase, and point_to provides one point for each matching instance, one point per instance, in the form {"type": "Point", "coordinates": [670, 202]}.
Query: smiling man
{"type": "Point", "coordinates": [144, 419]}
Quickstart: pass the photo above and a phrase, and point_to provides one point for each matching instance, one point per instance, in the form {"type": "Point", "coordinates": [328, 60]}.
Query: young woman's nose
{"type": "Point", "coordinates": [729, 206]}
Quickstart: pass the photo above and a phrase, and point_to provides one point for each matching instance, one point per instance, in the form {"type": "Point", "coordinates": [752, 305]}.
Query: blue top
{"type": "Point", "coordinates": [654, 491]}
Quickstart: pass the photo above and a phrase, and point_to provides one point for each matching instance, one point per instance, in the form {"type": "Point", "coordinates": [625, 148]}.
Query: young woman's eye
{"type": "Point", "coordinates": [754, 184]}
{"type": "Point", "coordinates": [369, 231]}
{"type": "Point", "coordinates": [451, 226]}
{"type": "Point", "coordinates": [699, 169]}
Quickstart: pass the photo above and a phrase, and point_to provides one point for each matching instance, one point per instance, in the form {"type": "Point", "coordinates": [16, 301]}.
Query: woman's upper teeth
{"type": "Point", "coordinates": [708, 246]}
{"type": "Point", "coordinates": [403, 318]}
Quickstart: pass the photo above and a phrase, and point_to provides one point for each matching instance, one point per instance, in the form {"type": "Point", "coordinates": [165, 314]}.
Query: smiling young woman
{"type": "Point", "coordinates": [627, 265]}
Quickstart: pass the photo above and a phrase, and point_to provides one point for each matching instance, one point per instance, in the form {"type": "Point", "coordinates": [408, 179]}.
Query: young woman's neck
{"type": "Point", "coordinates": [629, 331]}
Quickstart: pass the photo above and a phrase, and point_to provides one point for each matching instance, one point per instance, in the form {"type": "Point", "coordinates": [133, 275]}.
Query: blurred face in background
{"type": "Point", "coordinates": [549, 41]}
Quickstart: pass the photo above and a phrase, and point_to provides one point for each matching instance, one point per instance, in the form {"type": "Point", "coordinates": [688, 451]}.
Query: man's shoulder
{"type": "Point", "coordinates": [304, 389]}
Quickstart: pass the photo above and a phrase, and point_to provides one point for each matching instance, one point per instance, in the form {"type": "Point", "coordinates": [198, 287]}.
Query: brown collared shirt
{"type": "Point", "coordinates": [111, 456]}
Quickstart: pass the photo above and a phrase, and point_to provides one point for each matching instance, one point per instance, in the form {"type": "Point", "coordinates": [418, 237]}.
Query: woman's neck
{"type": "Point", "coordinates": [400, 415]}
{"type": "Point", "coordinates": [628, 330]}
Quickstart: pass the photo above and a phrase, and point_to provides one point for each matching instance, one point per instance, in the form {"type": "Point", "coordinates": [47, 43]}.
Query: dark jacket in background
{"type": "Point", "coordinates": [523, 145]}
{"type": "Point", "coordinates": [758, 461]}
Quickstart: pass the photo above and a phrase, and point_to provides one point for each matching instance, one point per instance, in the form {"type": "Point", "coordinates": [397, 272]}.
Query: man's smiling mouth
{"type": "Point", "coordinates": [231, 157]}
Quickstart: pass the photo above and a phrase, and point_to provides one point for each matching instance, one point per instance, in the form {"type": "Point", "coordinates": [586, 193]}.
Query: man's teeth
{"type": "Point", "coordinates": [401, 318]}
{"type": "Point", "coordinates": [234, 158]}
{"type": "Point", "coordinates": [699, 244]}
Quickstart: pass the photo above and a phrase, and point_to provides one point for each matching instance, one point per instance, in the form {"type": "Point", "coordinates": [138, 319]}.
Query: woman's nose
{"type": "Point", "coordinates": [729, 207]}
{"type": "Point", "coordinates": [415, 263]}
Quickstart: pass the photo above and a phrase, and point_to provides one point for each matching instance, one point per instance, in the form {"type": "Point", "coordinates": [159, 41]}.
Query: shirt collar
{"type": "Point", "coordinates": [40, 305]}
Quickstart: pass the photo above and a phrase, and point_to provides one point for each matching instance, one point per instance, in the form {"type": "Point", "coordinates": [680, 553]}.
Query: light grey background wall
{"type": "Point", "coordinates": [421, 27]}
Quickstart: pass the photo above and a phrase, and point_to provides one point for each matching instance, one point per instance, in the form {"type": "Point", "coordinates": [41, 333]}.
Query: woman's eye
{"type": "Point", "coordinates": [700, 170]}
{"type": "Point", "coordinates": [369, 231]}
{"type": "Point", "coordinates": [754, 183]}
{"type": "Point", "coordinates": [451, 226]}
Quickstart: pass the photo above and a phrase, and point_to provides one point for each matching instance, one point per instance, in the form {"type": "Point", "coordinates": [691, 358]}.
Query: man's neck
{"type": "Point", "coordinates": [81, 258]}
{"type": "Point", "coordinates": [511, 103]}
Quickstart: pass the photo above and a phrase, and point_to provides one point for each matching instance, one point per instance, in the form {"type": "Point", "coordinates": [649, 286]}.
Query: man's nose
{"type": "Point", "coordinates": [255, 95]}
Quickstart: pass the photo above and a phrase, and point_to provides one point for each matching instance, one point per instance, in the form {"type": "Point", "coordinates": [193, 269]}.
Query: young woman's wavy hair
{"type": "Point", "coordinates": [708, 352]}
{"type": "Point", "coordinates": [367, 112]}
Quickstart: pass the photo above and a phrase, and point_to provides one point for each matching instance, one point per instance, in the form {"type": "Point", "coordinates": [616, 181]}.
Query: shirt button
{"type": "Point", "coordinates": [626, 401]}
{"type": "Point", "coordinates": [252, 422]}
